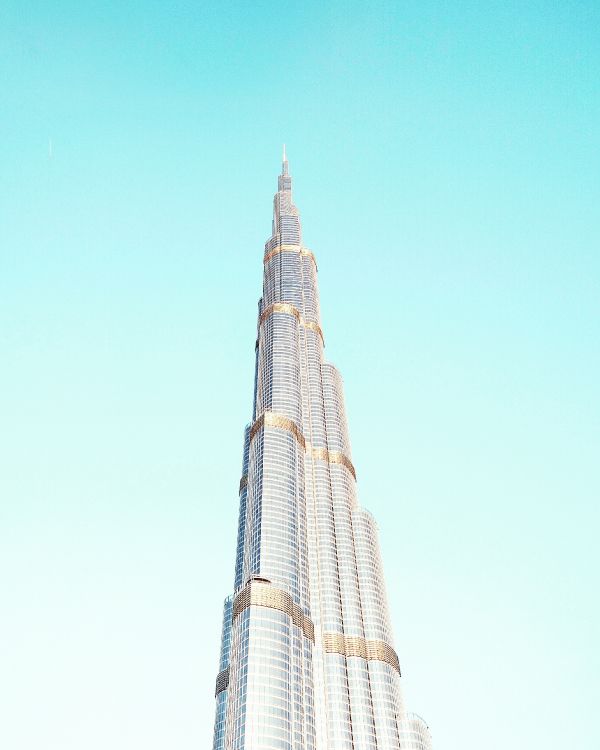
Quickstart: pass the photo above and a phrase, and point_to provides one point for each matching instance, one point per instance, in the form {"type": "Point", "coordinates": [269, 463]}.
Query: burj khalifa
{"type": "Point", "coordinates": [307, 659]}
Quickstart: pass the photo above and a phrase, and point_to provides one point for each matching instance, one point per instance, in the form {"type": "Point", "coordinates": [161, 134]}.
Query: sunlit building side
{"type": "Point", "coordinates": [414, 733]}
{"type": "Point", "coordinates": [307, 657]}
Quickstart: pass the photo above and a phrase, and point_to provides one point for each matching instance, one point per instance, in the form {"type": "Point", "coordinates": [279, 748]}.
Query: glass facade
{"type": "Point", "coordinates": [414, 733]}
{"type": "Point", "coordinates": [307, 655]}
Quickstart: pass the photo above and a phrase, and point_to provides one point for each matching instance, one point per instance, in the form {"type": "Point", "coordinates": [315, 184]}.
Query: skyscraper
{"type": "Point", "coordinates": [307, 656]}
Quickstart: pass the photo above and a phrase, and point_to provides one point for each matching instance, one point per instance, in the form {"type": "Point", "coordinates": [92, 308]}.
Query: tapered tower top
{"type": "Point", "coordinates": [285, 161]}
{"type": "Point", "coordinates": [285, 181]}
{"type": "Point", "coordinates": [286, 219]}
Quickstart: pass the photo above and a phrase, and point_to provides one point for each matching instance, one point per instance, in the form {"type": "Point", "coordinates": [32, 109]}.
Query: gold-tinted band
{"type": "Point", "coordinates": [259, 594]}
{"type": "Point", "coordinates": [349, 645]}
{"type": "Point", "coordinates": [243, 482]}
{"type": "Point", "coordinates": [332, 457]}
{"type": "Point", "coordinates": [280, 307]}
{"type": "Point", "coordinates": [289, 249]}
{"type": "Point", "coordinates": [313, 327]}
{"type": "Point", "coordinates": [289, 309]}
{"type": "Point", "coordinates": [222, 682]}
{"type": "Point", "coordinates": [270, 419]}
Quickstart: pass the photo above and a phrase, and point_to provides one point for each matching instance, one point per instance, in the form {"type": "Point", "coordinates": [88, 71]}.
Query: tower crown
{"type": "Point", "coordinates": [285, 161]}
{"type": "Point", "coordinates": [286, 228]}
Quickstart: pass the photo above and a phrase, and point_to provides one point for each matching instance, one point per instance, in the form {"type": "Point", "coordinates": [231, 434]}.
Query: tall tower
{"type": "Point", "coordinates": [307, 656]}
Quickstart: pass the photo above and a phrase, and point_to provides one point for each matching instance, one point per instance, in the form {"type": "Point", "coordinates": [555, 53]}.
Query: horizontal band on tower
{"type": "Point", "coordinates": [351, 645]}
{"type": "Point", "coordinates": [222, 682]}
{"type": "Point", "coordinates": [281, 307]}
{"type": "Point", "coordinates": [289, 249]}
{"type": "Point", "coordinates": [289, 309]}
{"type": "Point", "coordinates": [260, 594]}
{"type": "Point", "coordinates": [243, 483]}
{"type": "Point", "coordinates": [332, 457]}
{"type": "Point", "coordinates": [313, 327]}
{"type": "Point", "coordinates": [270, 419]}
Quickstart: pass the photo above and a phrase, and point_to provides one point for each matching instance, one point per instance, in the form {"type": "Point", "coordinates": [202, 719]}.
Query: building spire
{"type": "Point", "coordinates": [286, 220]}
{"type": "Point", "coordinates": [284, 171]}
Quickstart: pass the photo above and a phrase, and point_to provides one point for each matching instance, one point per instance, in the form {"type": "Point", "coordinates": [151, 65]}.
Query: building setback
{"type": "Point", "coordinates": [307, 656]}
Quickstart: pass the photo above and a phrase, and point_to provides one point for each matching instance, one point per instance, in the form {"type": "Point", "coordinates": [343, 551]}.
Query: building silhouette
{"type": "Point", "coordinates": [307, 656]}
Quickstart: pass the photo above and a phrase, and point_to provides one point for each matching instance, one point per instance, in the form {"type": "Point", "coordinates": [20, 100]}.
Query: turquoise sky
{"type": "Point", "coordinates": [446, 161]}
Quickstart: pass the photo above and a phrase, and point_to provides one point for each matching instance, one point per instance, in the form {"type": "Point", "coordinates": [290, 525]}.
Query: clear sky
{"type": "Point", "coordinates": [446, 161]}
